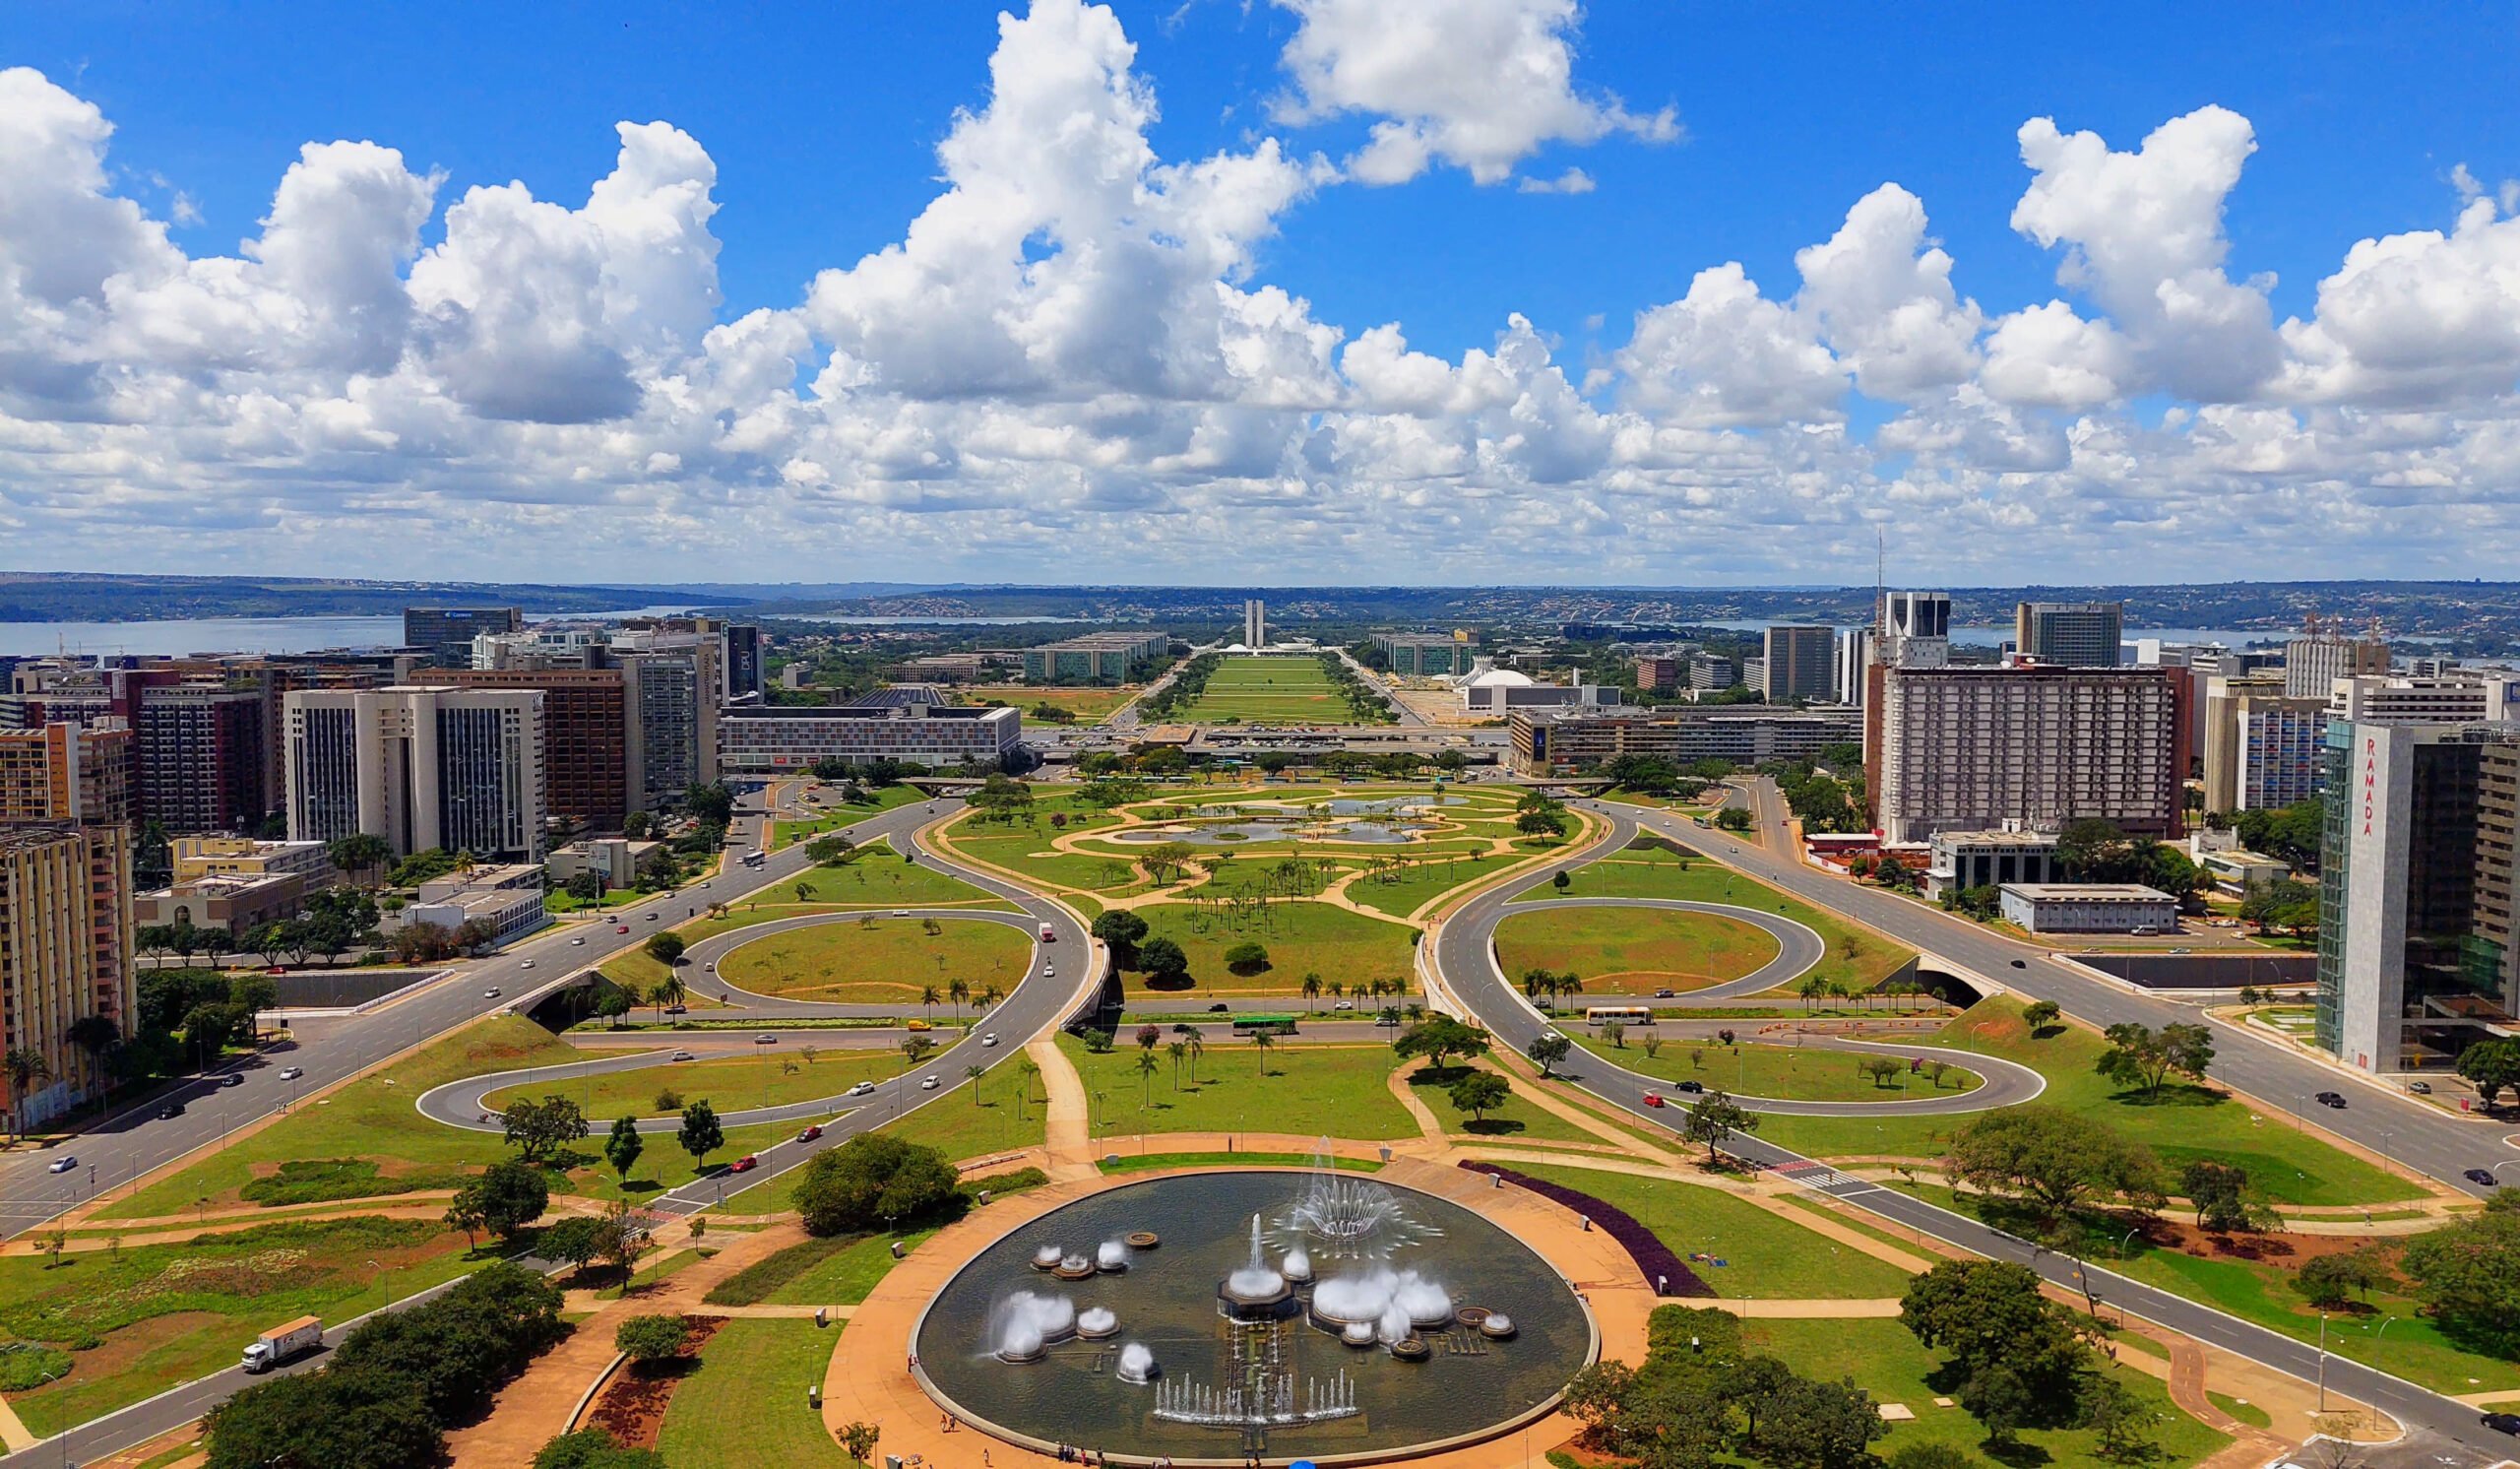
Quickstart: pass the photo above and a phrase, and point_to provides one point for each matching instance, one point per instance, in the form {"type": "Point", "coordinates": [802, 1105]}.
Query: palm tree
{"type": "Point", "coordinates": [1026, 1069]}
{"type": "Point", "coordinates": [1146, 1075]}
{"type": "Point", "coordinates": [24, 1067]}
{"type": "Point", "coordinates": [989, 994]}
{"type": "Point", "coordinates": [959, 991]}
{"type": "Point", "coordinates": [1311, 990]}
{"type": "Point", "coordinates": [1262, 1040]}
{"type": "Point", "coordinates": [972, 1075]}
{"type": "Point", "coordinates": [928, 996]}
{"type": "Point", "coordinates": [1176, 1051]}
{"type": "Point", "coordinates": [1198, 1049]}
{"type": "Point", "coordinates": [670, 990]}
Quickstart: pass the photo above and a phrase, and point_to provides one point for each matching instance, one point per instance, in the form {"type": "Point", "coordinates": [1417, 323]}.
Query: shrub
{"type": "Point", "coordinates": [26, 1365]}
{"type": "Point", "coordinates": [652, 1338]}
{"type": "Point", "coordinates": [875, 1182]}
{"type": "Point", "coordinates": [593, 1448]}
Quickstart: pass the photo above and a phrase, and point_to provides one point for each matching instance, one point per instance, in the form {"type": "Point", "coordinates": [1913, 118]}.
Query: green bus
{"type": "Point", "coordinates": [1276, 1024]}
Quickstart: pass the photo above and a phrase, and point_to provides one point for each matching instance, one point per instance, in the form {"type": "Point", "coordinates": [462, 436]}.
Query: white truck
{"type": "Point", "coordinates": [1049, 934]}
{"type": "Point", "coordinates": [283, 1342]}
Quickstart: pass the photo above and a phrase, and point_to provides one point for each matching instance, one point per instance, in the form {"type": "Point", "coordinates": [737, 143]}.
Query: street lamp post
{"type": "Point", "coordinates": [2322, 1361]}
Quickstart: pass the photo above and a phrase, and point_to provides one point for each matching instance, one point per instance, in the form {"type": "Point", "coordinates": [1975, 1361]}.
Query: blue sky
{"type": "Point", "coordinates": [823, 124]}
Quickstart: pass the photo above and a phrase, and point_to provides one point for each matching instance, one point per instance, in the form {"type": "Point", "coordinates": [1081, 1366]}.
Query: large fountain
{"type": "Point", "coordinates": [1319, 1314]}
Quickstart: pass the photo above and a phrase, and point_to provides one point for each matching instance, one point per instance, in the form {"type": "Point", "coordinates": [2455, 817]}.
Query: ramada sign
{"type": "Point", "coordinates": [2371, 778]}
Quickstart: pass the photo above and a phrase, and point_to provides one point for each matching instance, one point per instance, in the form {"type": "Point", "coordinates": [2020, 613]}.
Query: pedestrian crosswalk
{"type": "Point", "coordinates": [1814, 1175]}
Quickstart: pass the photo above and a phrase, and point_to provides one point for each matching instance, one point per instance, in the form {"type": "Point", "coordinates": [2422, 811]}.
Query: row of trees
{"type": "Point", "coordinates": [330, 922]}
{"type": "Point", "coordinates": [1700, 1397]}
{"type": "Point", "coordinates": [1364, 702]}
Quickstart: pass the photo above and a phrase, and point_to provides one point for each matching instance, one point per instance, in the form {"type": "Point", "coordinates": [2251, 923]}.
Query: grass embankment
{"type": "Point", "coordinates": [1632, 950]}
{"type": "Point", "coordinates": [837, 1271]}
{"type": "Point", "coordinates": [1765, 1256]}
{"type": "Point", "coordinates": [374, 1119]}
{"type": "Point", "coordinates": [1426, 879]}
{"type": "Point", "coordinates": [1520, 1117]}
{"type": "Point", "coordinates": [745, 1404]}
{"type": "Point", "coordinates": [1651, 869]}
{"type": "Point", "coordinates": [1886, 1361]}
{"type": "Point", "coordinates": [1090, 705]}
{"type": "Point", "coordinates": [879, 960]}
{"type": "Point", "coordinates": [773, 1077]}
{"type": "Point", "coordinates": [1267, 691]}
{"type": "Point", "coordinates": [1022, 845]}
{"type": "Point", "coordinates": [1308, 1090]}
{"type": "Point", "coordinates": [159, 1314]}
{"type": "Point", "coordinates": [1343, 947]}
{"type": "Point", "coordinates": [2181, 1124]}
{"type": "Point", "coordinates": [832, 813]}
{"type": "Point", "coordinates": [1785, 1073]}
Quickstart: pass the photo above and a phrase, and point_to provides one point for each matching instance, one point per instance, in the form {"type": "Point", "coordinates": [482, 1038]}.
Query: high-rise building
{"type": "Point", "coordinates": [1854, 658]}
{"type": "Point", "coordinates": [1799, 664]}
{"type": "Point", "coordinates": [1710, 675]}
{"type": "Point", "coordinates": [587, 735]}
{"type": "Point", "coordinates": [446, 633]}
{"type": "Point", "coordinates": [2466, 697]}
{"type": "Point", "coordinates": [422, 766]}
{"type": "Point", "coordinates": [65, 953]}
{"type": "Point", "coordinates": [1915, 630]}
{"type": "Point", "coordinates": [2415, 890]}
{"type": "Point", "coordinates": [673, 673]}
{"type": "Point", "coordinates": [744, 661]}
{"type": "Point", "coordinates": [2262, 749]}
{"type": "Point", "coordinates": [67, 772]}
{"type": "Point", "coordinates": [2076, 634]}
{"type": "Point", "coordinates": [1658, 674]}
{"type": "Point", "coordinates": [1255, 624]}
{"type": "Point", "coordinates": [2314, 661]}
{"type": "Point", "coordinates": [1974, 748]}
{"type": "Point", "coordinates": [203, 759]}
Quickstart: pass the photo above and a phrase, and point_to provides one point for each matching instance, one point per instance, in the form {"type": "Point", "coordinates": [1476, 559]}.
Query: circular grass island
{"type": "Point", "coordinates": [1762, 1070]}
{"type": "Point", "coordinates": [884, 960]}
{"type": "Point", "coordinates": [1618, 950]}
{"type": "Point", "coordinates": [1305, 1315]}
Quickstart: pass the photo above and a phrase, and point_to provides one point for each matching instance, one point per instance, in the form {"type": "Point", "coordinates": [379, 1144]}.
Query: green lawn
{"type": "Point", "coordinates": [844, 1277]}
{"type": "Point", "coordinates": [1519, 1118]}
{"type": "Point", "coordinates": [1413, 888]}
{"type": "Point", "coordinates": [1343, 947]}
{"type": "Point", "coordinates": [880, 960]}
{"type": "Point", "coordinates": [835, 813]}
{"type": "Point", "coordinates": [1767, 1257]}
{"type": "Point", "coordinates": [1329, 1091]}
{"type": "Point", "coordinates": [1632, 950]}
{"type": "Point", "coordinates": [2290, 1165]}
{"type": "Point", "coordinates": [1759, 1069]}
{"type": "Point", "coordinates": [1652, 870]}
{"type": "Point", "coordinates": [169, 1313]}
{"type": "Point", "coordinates": [1886, 1361]}
{"type": "Point", "coordinates": [745, 1406]}
{"type": "Point", "coordinates": [878, 877]}
{"type": "Point", "coordinates": [1090, 705]}
{"type": "Point", "coordinates": [1266, 690]}
{"type": "Point", "coordinates": [1135, 1163]}
{"type": "Point", "coordinates": [729, 1083]}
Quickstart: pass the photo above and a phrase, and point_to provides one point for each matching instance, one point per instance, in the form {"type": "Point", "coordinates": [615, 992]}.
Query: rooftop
{"type": "Point", "coordinates": [2088, 892]}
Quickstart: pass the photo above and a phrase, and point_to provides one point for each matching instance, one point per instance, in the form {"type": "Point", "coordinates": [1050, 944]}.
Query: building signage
{"type": "Point", "coordinates": [2370, 778]}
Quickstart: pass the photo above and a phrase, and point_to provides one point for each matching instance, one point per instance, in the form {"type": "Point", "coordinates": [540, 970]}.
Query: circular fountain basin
{"type": "Point", "coordinates": [1096, 1323]}
{"type": "Point", "coordinates": [1074, 1392]}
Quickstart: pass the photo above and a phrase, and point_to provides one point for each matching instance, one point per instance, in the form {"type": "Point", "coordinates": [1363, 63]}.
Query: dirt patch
{"type": "Point", "coordinates": [2274, 1248]}
{"type": "Point", "coordinates": [631, 1406]}
{"type": "Point", "coordinates": [124, 1349]}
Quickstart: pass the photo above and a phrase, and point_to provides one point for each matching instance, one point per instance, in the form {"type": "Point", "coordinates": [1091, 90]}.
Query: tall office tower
{"type": "Point", "coordinates": [2076, 634]}
{"type": "Point", "coordinates": [422, 766]}
{"type": "Point", "coordinates": [1973, 748]}
{"type": "Point", "coordinates": [1799, 664]}
{"type": "Point", "coordinates": [1658, 674]}
{"type": "Point", "coordinates": [67, 772]}
{"type": "Point", "coordinates": [2314, 661]}
{"type": "Point", "coordinates": [1255, 624]}
{"type": "Point", "coordinates": [587, 735]}
{"type": "Point", "coordinates": [2262, 749]}
{"type": "Point", "coordinates": [2471, 695]}
{"type": "Point", "coordinates": [744, 661]}
{"type": "Point", "coordinates": [1855, 657]}
{"type": "Point", "coordinates": [1915, 630]}
{"type": "Point", "coordinates": [670, 706]}
{"type": "Point", "coordinates": [447, 632]}
{"type": "Point", "coordinates": [65, 953]}
{"type": "Point", "coordinates": [202, 759]}
{"type": "Point", "coordinates": [2415, 890]}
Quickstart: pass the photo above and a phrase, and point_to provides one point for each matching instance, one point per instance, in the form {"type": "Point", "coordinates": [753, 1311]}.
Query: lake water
{"type": "Point", "coordinates": [1989, 637]}
{"type": "Point", "coordinates": [178, 636]}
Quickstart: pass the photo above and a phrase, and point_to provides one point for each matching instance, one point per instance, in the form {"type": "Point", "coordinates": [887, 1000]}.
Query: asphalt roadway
{"type": "Point", "coordinates": [1464, 959]}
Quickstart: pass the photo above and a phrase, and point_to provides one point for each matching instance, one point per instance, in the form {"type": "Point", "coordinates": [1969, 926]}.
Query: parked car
{"type": "Point", "coordinates": [2420, 1088]}
{"type": "Point", "coordinates": [292, 1073]}
{"type": "Point", "coordinates": [744, 1164]}
{"type": "Point", "coordinates": [812, 1131]}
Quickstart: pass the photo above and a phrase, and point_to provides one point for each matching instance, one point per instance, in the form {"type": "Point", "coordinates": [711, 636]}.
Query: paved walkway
{"type": "Point", "coordinates": [1068, 1135]}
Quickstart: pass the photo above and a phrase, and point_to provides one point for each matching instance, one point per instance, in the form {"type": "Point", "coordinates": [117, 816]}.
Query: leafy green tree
{"type": "Point", "coordinates": [1163, 962]}
{"type": "Point", "coordinates": [253, 993]}
{"type": "Point", "coordinates": [2221, 1194]}
{"type": "Point", "coordinates": [575, 1241]}
{"type": "Point", "coordinates": [2467, 1274]}
{"type": "Point", "coordinates": [1811, 1424]}
{"type": "Point", "coordinates": [2116, 1416]}
{"type": "Point", "coordinates": [700, 1134]}
{"type": "Point", "coordinates": [584, 887]}
{"type": "Point", "coordinates": [593, 1448]}
{"type": "Point", "coordinates": [2324, 1279]}
{"type": "Point", "coordinates": [1479, 1092]}
{"type": "Point", "coordinates": [1548, 1050]}
{"type": "Point", "coordinates": [359, 855]}
{"type": "Point", "coordinates": [503, 1200]}
{"type": "Point", "coordinates": [1247, 958]}
{"type": "Point", "coordinates": [1931, 1456]}
{"type": "Point", "coordinates": [874, 1181]}
{"type": "Point", "coordinates": [2140, 1055]}
{"type": "Point", "coordinates": [2013, 1348]}
{"type": "Point", "coordinates": [831, 851]}
{"type": "Point", "coordinates": [1438, 1037]}
{"type": "Point", "coordinates": [2054, 1158]}
{"type": "Point", "coordinates": [1714, 1119]}
{"type": "Point", "coordinates": [336, 1419]}
{"type": "Point", "coordinates": [666, 948]}
{"type": "Point", "coordinates": [622, 1147]}
{"type": "Point", "coordinates": [2489, 1066]}
{"type": "Point", "coordinates": [1122, 930]}
{"type": "Point", "coordinates": [2039, 1014]}
{"type": "Point", "coordinates": [537, 1129]}
{"type": "Point", "coordinates": [651, 1339]}
{"type": "Point", "coordinates": [1733, 818]}
{"type": "Point", "coordinates": [712, 803]}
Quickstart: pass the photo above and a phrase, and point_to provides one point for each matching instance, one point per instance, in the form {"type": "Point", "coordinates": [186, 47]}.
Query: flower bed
{"type": "Point", "coordinates": [1642, 1245]}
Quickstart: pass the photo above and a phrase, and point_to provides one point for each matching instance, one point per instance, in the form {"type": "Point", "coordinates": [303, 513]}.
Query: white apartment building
{"type": "Point", "coordinates": [422, 767]}
{"type": "Point", "coordinates": [770, 738]}
{"type": "Point", "coordinates": [1975, 748]}
{"type": "Point", "coordinates": [2465, 698]}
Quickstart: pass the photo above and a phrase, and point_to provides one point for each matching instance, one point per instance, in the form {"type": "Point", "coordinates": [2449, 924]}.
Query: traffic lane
{"type": "Point", "coordinates": [461, 1104]}
{"type": "Point", "coordinates": [2407, 1133]}
{"type": "Point", "coordinates": [741, 1041]}
{"type": "Point", "coordinates": [29, 1195]}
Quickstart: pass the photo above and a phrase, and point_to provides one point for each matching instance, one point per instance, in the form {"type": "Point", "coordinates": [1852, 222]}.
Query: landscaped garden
{"type": "Point", "coordinates": [1797, 1073]}
{"type": "Point", "coordinates": [1761, 1254]}
{"type": "Point", "coordinates": [773, 1077]}
{"type": "Point", "coordinates": [1632, 950]}
{"type": "Point", "coordinates": [1267, 691]}
{"type": "Point", "coordinates": [881, 960]}
{"type": "Point", "coordinates": [1235, 1085]}
{"type": "Point", "coordinates": [745, 1404]}
{"type": "Point", "coordinates": [1298, 938]}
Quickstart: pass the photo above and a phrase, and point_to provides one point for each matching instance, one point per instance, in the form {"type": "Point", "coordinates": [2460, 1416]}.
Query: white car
{"type": "Point", "coordinates": [292, 1073]}
{"type": "Point", "coordinates": [862, 1089]}
{"type": "Point", "coordinates": [682, 1055]}
{"type": "Point", "coordinates": [712, 966]}
{"type": "Point", "coordinates": [901, 913]}
{"type": "Point", "coordinates": [1049, 971]}
{"type": "Point", "coordinates": [66, 1162]}
{"type": "Point", "coordinates": [991, 1039]}
{"type": "Point", "coordinates": [528, 964]}
{"type": "Point", "coordinates": [490, 994]}
{"type": "Point", "coordinates": [1345, 1004]}
{"type": "Point", "coordinates": [929, 1082]}
{"type": "Point", "coordinates": [578, 942]}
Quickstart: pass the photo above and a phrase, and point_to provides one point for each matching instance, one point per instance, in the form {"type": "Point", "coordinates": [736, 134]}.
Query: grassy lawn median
{"type": "Point", "coordinates": [1267, 691]}
{"type": "Point", "coordinates": [1780, 1072]}
{"type": "Point", "coordinates": [745, 1405]}
{"type": "Point", "coordinates": [1632, 950]}
{"type": "Point", "coordinates": [1765, 1256]}
{"type": "Point", "coordinates": [1342, 946]}
{"type": "Point", "coordinates": [772, 1076]}
{"type": "Point", "coordinates": [1308, 1090]}
{"type": "Point", "coordinates": [2290, 1165]}
{"type": "Point", "coordinates": [1403, 892]}
{"type": "Point", "coordinates": [879, 960]}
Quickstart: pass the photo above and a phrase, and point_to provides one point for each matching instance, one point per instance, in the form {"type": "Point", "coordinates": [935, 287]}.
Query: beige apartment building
{"type": "Point", "coordinates": [1975, 748]}
{"type": "Point", "coordinates": [422, 766]}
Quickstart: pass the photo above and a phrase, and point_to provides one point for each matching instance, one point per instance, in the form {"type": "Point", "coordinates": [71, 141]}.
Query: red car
{"type": "Point", "coordinates": [812, 1131]}
{"type": "Point", "coordinates": [621, 928]}
{"type": "Point", "coordinates": [746, 1164]}
{"type": "Point", "coordinates": [1653, 1099]}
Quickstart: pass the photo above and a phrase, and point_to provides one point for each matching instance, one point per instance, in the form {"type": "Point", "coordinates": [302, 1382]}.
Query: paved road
{"type": "Point", "coordinates": [1462, 959]}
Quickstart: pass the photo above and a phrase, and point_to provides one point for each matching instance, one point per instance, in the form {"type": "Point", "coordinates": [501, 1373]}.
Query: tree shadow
{"type": "Point", "coordinates": [1430, 1075]}
{"type": "Point", "coordinates": [1169, 984]}
{"type": "Point", "coordinates": [2171, 1094]}
{"type": "Point", "coordinates": [2013, 1454]}
{"type": "Point", "coordinates": [1493, 1126]}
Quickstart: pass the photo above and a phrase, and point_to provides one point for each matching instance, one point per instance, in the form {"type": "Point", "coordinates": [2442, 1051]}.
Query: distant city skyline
{"type": "Point", "coordinates": [1313, 290]}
